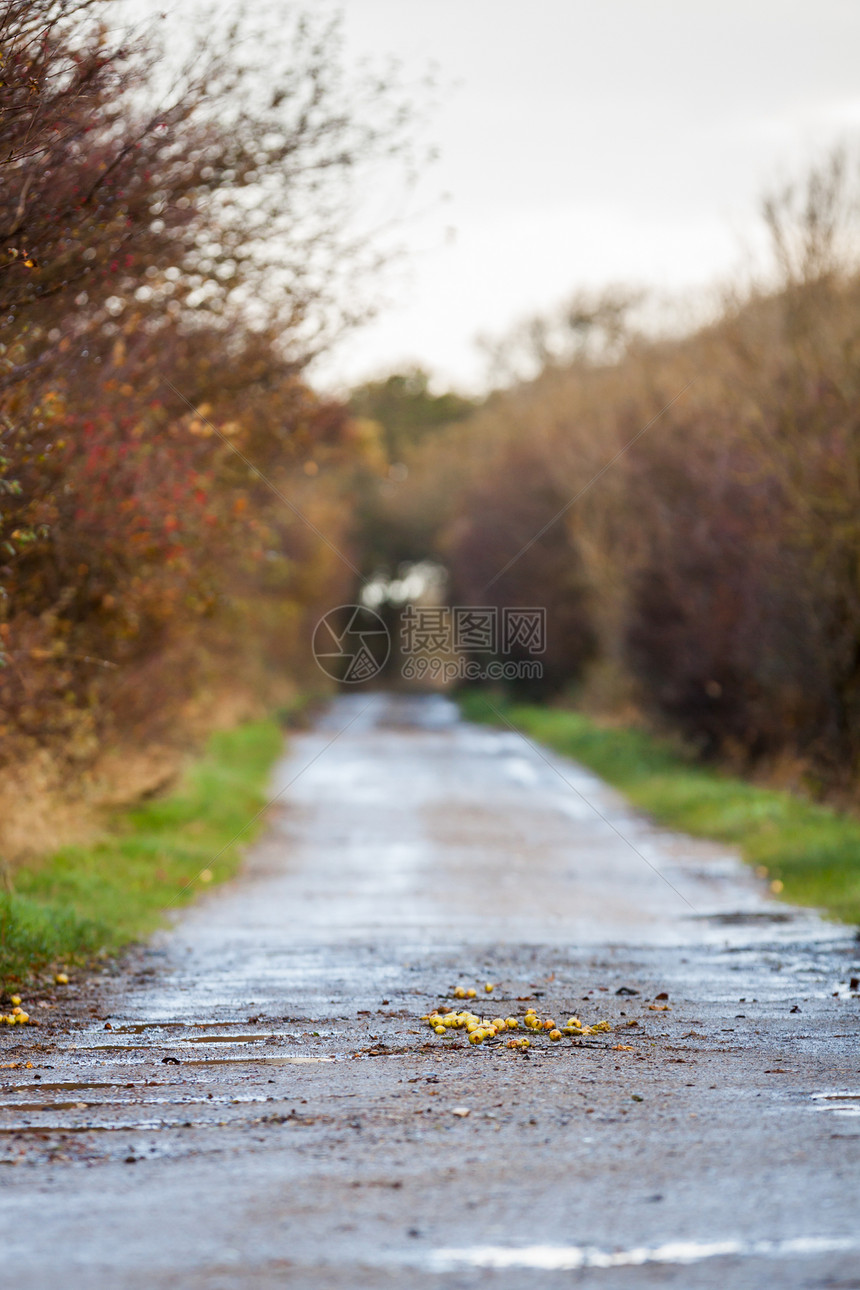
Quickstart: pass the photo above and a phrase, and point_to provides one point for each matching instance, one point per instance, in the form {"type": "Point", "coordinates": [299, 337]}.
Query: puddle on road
{"type": "Point", "coordinates": [257, 1061]}
{"type": "Point", "coordinates": [178, 1041]}
{"type": "Point", "coordinates": [231, 1039]}
{"type": "Point", "coordinates": [133, 1126]}
{"type": "Point", "coordinates": [215, 1100]}
{"type": "Point", "coordinates": [67, 1086]}
{"type": "Point", "coordinates": [847, 1103]}
{"type": "Point", "coordinates": [141, 1027]}
{"type": "Point", "coordinates": [747, 917]}
{"type": "Point", "coordinates": [564, 1258]}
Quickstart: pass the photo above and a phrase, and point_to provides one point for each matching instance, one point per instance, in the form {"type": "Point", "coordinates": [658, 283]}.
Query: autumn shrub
{"type": "Point", "coordinates": [175, 248]}
{"type": "Point", "coordinates": [685, 505]}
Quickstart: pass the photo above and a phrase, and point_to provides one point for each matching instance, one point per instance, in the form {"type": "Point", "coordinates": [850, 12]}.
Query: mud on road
{"type": "Point", "coordinates": [253, 1101]}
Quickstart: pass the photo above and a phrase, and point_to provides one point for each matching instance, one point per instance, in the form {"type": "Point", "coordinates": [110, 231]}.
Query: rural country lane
{"type": "Point", "coordinates": [252, 1100]}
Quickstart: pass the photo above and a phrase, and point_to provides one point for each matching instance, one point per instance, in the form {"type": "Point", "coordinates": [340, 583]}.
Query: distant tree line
{"type": "Point", "coordinates": [710, 577]}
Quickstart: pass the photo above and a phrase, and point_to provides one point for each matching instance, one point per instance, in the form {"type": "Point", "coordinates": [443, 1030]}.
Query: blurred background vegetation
{"type": "Point", "coordinates": [708, 582]}
{"type": "Point", "coordinates": [177, 243]}
{"type": "Point", "coordinates": [178, 505]}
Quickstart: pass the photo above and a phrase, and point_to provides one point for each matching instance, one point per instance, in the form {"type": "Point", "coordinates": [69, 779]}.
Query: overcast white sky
{"type": "Point", "coordinates": [585, 142]}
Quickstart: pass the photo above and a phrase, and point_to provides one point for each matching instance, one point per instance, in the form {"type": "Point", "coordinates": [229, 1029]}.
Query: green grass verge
{"type": "Point", "coordinates": [813, 850]}
{"type": "Point", "coordinates": [85, 899]}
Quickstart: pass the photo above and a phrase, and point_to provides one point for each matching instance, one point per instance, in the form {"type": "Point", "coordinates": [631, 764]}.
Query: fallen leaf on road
{"type": "Point", "coordinates": [462, 1111]}
{"type": "Point", "coordinates": [623, 1048]}
{"type": "Point", "coordinates": [659, 1007]}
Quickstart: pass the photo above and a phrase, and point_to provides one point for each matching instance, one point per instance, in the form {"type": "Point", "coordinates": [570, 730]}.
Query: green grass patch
{"type": "Point", "coordinates": [813, 850]}
{"type": "Point", "coordinates": [85, 899]}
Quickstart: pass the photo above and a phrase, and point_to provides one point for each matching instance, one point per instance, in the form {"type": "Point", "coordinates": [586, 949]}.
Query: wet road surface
{"type": "Point", "coordinates": [266, 1109]}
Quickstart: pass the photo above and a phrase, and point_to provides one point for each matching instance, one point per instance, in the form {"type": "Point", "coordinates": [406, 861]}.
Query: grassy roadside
{"type": "Point", "coordinates": [85, 899]}
{"type": "Point", "coordinates": [812, 850]}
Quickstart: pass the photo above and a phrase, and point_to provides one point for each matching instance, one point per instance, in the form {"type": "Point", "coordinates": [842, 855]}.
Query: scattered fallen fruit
{"type": "Point", "coordinates": [61, 978]}
{"type": "Point", "coordinates": [479, 1029]}
{"type": "Point", "coordinates": [18, 1016]}
{"type": "Point", "coordinates": [488, 988]}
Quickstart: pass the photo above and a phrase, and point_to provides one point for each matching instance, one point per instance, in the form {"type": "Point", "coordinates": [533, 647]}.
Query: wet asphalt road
{"type": "Point", "coordinates": [266, 1109]}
